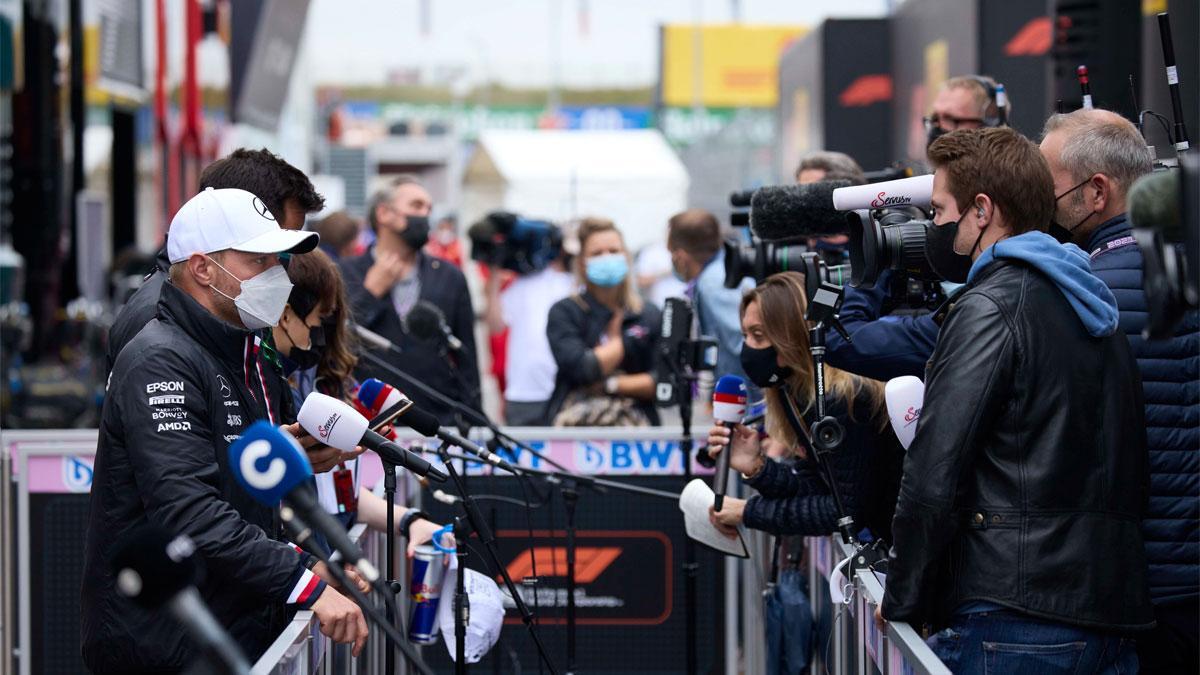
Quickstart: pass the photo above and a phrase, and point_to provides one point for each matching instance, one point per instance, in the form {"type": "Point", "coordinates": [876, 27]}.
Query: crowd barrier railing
{"type": "Point", "coordinates": [856, 644]}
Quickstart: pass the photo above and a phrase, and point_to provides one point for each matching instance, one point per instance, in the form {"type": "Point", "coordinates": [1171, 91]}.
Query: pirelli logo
{"type": "Point", "coordinates": [166, 400]}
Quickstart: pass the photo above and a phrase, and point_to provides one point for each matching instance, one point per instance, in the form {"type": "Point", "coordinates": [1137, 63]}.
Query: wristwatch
{"type": "Point", "coordinates": [407, 519]}
{"type": "Point", "coordinates": [611, 384]}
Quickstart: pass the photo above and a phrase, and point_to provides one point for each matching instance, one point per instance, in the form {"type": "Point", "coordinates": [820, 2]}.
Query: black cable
{"type": "Point", "coordinates": [1161, 120]}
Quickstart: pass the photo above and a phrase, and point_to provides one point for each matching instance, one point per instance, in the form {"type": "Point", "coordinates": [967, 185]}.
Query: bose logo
{"type": "Point", "coordinates": [164, 386]}
{"type": "Point", "coordinates": [261, 480]}
{"type": "Point", "coordinates": [882, 200]}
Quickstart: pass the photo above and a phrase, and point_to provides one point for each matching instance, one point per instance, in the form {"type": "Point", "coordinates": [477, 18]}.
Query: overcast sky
{"type": "Point", "coordinates": [361, 41]}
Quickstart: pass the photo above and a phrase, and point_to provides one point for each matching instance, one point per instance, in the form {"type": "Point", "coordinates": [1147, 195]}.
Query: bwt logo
{"type": "Point", "coordinates": [327, 428]}
{"type": "Point", "coordinates": [590, 561]}
{"type": "Point", "coordinates": [911, 416]}
{"type": "Point", "coordinates": [163, 386]}
{"type": "Point", "coordinates": [881, 200]}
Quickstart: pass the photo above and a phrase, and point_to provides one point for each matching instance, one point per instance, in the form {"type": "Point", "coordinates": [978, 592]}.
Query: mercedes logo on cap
{"type": "Point", "coordinates": [262, 209]}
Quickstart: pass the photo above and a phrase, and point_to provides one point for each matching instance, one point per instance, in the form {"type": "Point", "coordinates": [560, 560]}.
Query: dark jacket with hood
{"type": "Point", "coordinates": [1027, 481]}
{"type": "Point", "coordinates": [187, 386]}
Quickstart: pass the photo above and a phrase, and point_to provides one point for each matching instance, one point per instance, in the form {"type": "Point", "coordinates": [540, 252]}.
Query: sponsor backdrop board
{"type": "Point", "coordinates": [835, 93]}
{"type": "Point", "coordinates": [630, 588]}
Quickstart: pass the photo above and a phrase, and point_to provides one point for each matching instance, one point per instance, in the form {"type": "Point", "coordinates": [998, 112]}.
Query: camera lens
{"type": "Point", "coordinates": [886, 240]}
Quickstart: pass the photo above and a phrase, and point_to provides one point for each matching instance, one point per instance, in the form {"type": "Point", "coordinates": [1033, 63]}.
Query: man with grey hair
{"type": "Point", "coordinates": [391, 278]}
{"type": "Point", "coordinates": [828, 165]}
{"type": "Point", "coordinates": [1095, 156]}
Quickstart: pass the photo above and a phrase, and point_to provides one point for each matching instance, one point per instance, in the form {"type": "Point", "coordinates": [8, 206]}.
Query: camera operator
{"type": "Point", "coordinates": [775, 355]}
{"type": "Point", "coordinates": [386, 282]}
{"type": "Point", "coordinates": [1018, 520]}
{"type": "Point", "coordinates": [694, 240]}
{"type": "Point", "coordinates": [964, 102]}
{"type": "Point", "coordinates": [1095, 156]}
{"type": "Point", "coordinates": [523, 308]}
{"type": "Point", "coordinates": [603, 339]}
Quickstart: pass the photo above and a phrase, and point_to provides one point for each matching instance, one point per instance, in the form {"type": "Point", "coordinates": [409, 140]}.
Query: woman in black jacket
{"type": "Point", "coordinates": [776, 354]}
{"type": "Point", "coordinates": [603, 339]}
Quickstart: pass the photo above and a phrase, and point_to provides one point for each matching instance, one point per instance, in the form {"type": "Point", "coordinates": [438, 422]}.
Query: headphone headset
{"type": "Point", "coordinates": [1001, 117]}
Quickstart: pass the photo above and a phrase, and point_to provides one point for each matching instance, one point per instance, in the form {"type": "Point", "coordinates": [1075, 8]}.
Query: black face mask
{"type": "Point", "coordinates": [939, 250]}
{"type": "Point", "coordinates": [308, 358]}
{"type": "Point", "coordinates": [762, 367]}
{"type": "Point", "coordinates": [416, 232]}
{"type": "Point", "coordinates": [935, 132]}
{"type": "Point", "coordinates": [1066, 235]}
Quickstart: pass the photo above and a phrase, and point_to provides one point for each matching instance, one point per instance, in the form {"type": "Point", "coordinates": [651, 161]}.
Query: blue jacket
{"type": "Point", "coordinates": [719, 311]}
{"type": "Point", "coordinates": [881, 347]}
{"type": "Point", "coordinates": [1171, 386]}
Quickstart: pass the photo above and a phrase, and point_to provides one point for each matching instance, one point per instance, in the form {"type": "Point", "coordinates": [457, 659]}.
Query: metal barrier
{"type": "Point", "coordinates": [856, 645]}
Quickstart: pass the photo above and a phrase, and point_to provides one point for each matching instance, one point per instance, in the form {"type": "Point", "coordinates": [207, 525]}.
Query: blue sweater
{"type": "Point", "coordinates": [1171, 385]}
{"type": "Point", "coordinates": [882, 347]}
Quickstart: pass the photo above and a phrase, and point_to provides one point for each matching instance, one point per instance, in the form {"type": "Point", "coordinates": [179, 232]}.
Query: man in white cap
{"type": "Point", "coordinates": [181, 391]}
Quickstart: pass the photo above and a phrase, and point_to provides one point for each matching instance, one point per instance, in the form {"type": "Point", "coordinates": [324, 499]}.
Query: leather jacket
{"type": "Point", "coordinates": [1028, 478]}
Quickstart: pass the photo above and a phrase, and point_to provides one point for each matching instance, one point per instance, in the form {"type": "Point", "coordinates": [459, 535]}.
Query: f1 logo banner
{"type": "Point", "coordinates": [622, 577]}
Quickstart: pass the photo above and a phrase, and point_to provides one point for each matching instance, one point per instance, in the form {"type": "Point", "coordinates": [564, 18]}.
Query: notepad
{"type": "Point", "coordinates": [695, 500]}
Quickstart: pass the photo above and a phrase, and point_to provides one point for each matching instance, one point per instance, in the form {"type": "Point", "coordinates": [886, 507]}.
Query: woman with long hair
{"type": "Point", "coordinates": [317, 352]}
{"type": "Point", "coordinates": [603, 339]}
{"type": "Point", "coordinates": [775, 356]}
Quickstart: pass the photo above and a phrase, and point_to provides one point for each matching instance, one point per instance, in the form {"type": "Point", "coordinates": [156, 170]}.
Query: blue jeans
{"type": "Point", "coordinates": [1004, 642]}
{"type": "Point", "coordinates": [789, 625]}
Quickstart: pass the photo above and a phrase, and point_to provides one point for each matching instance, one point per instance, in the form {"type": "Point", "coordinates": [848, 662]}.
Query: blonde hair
{"type": "Point", "coordinates": [592, 226]}
{"type": "Point", "coordinates": [782, 301]}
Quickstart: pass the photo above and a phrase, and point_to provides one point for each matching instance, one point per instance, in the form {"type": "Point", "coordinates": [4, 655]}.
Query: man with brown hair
{"type": "Point", "coordinates": [1017, 530]}
{"type": "Point", "coordinates": [694, 240]}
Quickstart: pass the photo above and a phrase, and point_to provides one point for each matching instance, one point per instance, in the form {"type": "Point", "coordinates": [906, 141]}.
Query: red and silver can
{"type": "Point", "coordinates": [425, 590]}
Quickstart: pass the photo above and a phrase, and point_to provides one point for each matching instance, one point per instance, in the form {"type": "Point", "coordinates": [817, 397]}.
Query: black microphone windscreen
{"type": "Point", "coordinates": [424, 321]}
{"type": "Point", "coordinates": [152, 566]}
{"type": "Point", "coordinates": [790, 211]}
{"type": "Point", "coordinates": [420, 421]}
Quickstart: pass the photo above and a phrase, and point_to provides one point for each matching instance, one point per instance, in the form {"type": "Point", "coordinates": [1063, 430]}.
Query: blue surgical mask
{"type": "Point", "coordinates": [607, 270]}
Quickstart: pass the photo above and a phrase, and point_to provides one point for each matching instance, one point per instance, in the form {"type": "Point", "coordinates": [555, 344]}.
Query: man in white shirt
{"type": "Point", "coordinates": [529, 368]}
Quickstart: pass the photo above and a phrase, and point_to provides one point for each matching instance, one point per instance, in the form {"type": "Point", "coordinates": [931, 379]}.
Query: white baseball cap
{"type": "Point", "coordinates": [229, 218]}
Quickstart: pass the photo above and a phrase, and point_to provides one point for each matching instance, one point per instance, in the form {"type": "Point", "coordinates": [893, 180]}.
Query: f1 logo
{"type": "Point", "coordinates": [261, 480]}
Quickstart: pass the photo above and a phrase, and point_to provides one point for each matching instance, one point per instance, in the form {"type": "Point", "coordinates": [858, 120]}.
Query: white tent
{"type": "Point", "coordinates": [632, 177]}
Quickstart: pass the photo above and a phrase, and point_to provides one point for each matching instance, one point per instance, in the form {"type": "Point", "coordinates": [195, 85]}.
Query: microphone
{"type": "Point", "coordinates": [905, 396]}
{"type": "Point", "coordinates": [381, 402]}
{"type": "Point", "coordinates": [426, 424]}
{"type": "Point", "coordinates": [337, 424]}
{"type": "Point", "coordinates": [374, 339]}
{"type": "Point", "coordinates": [915, 191]}
{"type": "Point", "coordinates": [153, 569]}
{"type": "Point", "coordinates": [271, 467]}
{"type": "Point", "coordinates": [446, 498]}
{"type": "Point", "coordinates": [729, 406]}
{"type": "Point", "coordinates": [790, 211]}
{"type": "Point", "coordinates": [427, 322]}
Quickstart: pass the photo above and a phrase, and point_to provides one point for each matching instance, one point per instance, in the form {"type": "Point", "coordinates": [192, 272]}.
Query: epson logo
{"type": "Point", "coordinates": [163, 386]}
{"type": "Point", "coordinates": [881, 200]}
{"type": "Point", "coordinates": [327, 428]}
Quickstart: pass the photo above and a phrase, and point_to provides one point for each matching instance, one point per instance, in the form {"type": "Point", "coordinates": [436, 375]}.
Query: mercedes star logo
{"type": "Point", "coordinates": [262, 209]}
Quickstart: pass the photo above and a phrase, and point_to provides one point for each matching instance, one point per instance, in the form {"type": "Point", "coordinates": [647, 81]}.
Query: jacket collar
{"type": "Point", "coordinates": [594, 305]}
{"type": "Point", "coordinates": [223, 340]}
{"type": "Point", "coordinates": [1110, 230]}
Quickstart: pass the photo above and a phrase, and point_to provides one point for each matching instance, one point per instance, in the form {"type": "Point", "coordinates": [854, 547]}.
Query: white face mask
{"type": "Point", "coordinates": [263, 297]}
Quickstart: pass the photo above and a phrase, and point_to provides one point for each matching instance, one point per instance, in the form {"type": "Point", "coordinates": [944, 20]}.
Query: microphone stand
{"type": "Point", "coordinates": [389, 546]}
{"type": "Point", "coordinates": [480, 527]}
{"type": "Point", "coordinates": [301, 534]}
{"type": "Point", "coordinates": [827, 432]}
{"type": "Point", "coordinates": [462, 602]}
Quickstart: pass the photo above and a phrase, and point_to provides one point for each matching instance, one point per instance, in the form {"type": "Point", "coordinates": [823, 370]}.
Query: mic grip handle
{"type": "Point", "coordinates": [721, 478]}
{"type": "Point", "coordinates": [190, 610]}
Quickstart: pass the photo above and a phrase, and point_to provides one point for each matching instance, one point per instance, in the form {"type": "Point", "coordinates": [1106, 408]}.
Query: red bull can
{"type": "Point", "coordinates": [425, 589]}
